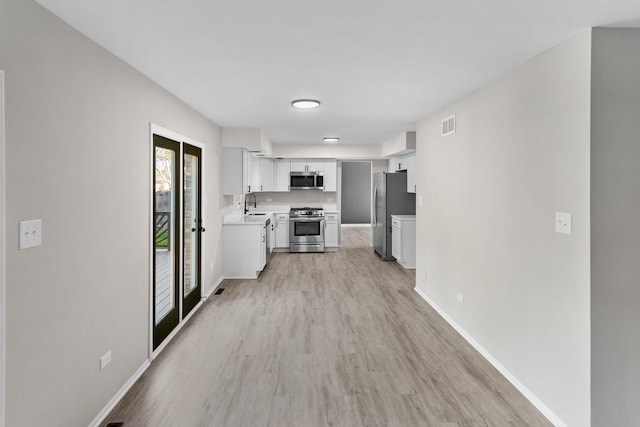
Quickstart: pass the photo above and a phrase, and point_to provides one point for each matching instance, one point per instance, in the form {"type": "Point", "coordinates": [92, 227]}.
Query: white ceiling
{"type": "Point", "coordinates": [376, 66]}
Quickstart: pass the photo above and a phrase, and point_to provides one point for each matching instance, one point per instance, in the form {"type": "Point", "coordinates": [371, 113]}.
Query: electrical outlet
{"type": "Point", "coordinates": [460, 297]}
{"type": "Point", "coordinates": [30, 233]}
{"type": "Point", "coordinates": [563, 223]}
{"type": "Point", "coordinates": [105, 360]}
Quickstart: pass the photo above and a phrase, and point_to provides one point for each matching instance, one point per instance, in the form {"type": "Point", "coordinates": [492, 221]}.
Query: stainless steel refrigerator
{"type": "Point", "coordinates": [391, 198]}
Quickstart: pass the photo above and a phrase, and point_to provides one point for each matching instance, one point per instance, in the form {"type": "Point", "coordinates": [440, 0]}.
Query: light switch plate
{"type": "Point", "coordinates": [105, 360]}
{"type": "Point", "coordinates": [563, 222]}
{"type": "Point", "coordinates": [30, 233]}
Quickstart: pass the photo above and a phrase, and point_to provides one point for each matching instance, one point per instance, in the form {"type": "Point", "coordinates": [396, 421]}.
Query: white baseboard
{"type": "Point", "coordinates": [120, 394]}
{"type": "Point", "coordinates": [548, 413]}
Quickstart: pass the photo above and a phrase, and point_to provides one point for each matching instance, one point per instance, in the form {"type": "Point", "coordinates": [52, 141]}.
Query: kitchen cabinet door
{"type": "Point", "coordinates": [254, 174]}
{"type": "Point", "coordinates": [267, 175]}
{"type": "Point", "coordinates": [246, 171]}
{"type": "Point", "coordinates": [411, 174]}
{"type": "Point", "coordinates": [283, 172]}
{"type": "Point", "coordinates": [298, 166]}
{"type": "Point", "coordinates": [393, 165]}
{"type": "Point", "coordinates": [244, 253]}
{"type": "Point", "coordinates": [396, 242]}
{"type": "Point", "coordinates": [315, 166]}
{"type": "Point", "coordinates": [403, 240]}
{"type": "Point", "coordinates": [282, 231]}
{"type": "Point", "coordinates": [263, 248]}
{"type": "Point", "coordinates": [330, 175]}
{"type": "Point", "coordinates": [235, 171]}
{"type": "Point", "coordinates": [332, 230]}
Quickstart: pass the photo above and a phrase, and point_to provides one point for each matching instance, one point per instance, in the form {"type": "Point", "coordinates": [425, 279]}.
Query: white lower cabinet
{"type": "Point", "coordinates": [332, 230]}
{"type": "Point", "coordinates": [282, 231]}
{"type": "Point", "coordinates": [245, 248]}
{"type": "Point", "coordinates": [403, 240]}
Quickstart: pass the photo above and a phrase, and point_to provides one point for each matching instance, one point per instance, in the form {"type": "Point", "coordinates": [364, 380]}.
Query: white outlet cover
{"type": "Point", "coordinates": [460, 297]}
{"type": "Point", "coordinates": [563, 222]}
{"type": "Point", "coordinates": [105, 360]}
{"type": "Point", "coordinates": [30, 233]}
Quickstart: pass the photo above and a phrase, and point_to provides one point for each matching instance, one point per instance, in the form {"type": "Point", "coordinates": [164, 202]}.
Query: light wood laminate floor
{"type": "Point", "coordinates": [334, 339]}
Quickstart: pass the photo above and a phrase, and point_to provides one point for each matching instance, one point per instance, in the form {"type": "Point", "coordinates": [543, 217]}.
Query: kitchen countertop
{"type": "Point", "coordinates": [401, 217]}
{"type": "Point", "coordinates": [247, 220]}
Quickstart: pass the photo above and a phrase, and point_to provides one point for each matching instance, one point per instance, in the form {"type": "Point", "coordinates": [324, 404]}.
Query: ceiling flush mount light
{"type": "Point", "coordinates": [306, 103]}
{"type": "Point", "coordinates": [331, 139]}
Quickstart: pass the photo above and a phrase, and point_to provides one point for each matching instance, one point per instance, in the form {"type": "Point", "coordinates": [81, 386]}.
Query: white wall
{"type": "Point", "coordinates": [78, 156]}
{"type": "Point", "coordinates": [486, 226]}
{"type": "Point", "coordinates": [615, 209]}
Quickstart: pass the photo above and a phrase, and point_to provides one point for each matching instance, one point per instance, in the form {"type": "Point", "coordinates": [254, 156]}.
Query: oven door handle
{"type": "Point", "coordinates": [306, 219]}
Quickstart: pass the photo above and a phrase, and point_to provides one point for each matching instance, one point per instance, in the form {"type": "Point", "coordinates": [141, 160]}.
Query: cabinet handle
{"type": "Point", "coordinates": [414, 189]}
{"type": "Point", "coordinates": [249, 188]}
{"type": "Point", "coordinates": [263, 239]}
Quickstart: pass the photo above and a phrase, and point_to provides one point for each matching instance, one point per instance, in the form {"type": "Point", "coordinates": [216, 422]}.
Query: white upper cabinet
{"type": "Point", "coordinates": [235, 171]}
{"type": "Point", "coordinates": [246, 170]}
{"type": "Point", "coordinates": [283, 172]}
{"type": "Point", "coordinates": [261, 174]}
{"type": "Point", "coordinates": [315, 166]}
{"type": "Point", "coordinates": [254, 174]}
{"type": "Point", "coordinates": [298, 165]}
{"type": "Point", "coordinates": [267, 175]}
{"type": "Point", "coordinates": [411, 174]}
{"type": "Point", "coordinates": [405, 163]}
{"type": "Point", "coordinates": [398, 164]}
{"type": "Point", "coordinates": [243, 173]}
{"type": "Point", "coordinates": [393, 165]}
{"type": "Point", "coordinates": [330, 175]}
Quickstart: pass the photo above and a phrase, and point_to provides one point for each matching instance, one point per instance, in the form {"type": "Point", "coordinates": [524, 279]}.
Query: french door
{"type": "Point", "coordinates": [177, 235]}
{"type": "Point", "coordinates": [192, 228]}
{"type": "Point", "coordinates": [166, 249]}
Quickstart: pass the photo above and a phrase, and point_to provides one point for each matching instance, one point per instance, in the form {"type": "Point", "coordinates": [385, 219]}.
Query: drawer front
{"type": "Point", "coordinates": [331, 217]}
{"type": "Point", "coordinates": [282, 218]}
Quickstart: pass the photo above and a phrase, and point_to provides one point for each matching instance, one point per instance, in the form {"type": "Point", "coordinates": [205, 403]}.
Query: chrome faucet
{"type": "Point", "coordinates": [255, 202]}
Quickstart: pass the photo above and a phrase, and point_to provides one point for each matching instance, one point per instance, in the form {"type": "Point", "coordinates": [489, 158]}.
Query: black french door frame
{"type": "Point", "coordinates": [171, 319]}
{"type": "Point", "coordinates": [196, 229]}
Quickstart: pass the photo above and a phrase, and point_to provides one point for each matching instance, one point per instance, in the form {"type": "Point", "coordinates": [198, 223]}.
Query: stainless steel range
{"type": "Point", "coordinates": [306, 230]}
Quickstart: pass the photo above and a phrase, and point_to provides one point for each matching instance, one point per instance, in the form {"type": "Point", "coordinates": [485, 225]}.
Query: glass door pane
{"type": "Point", "coordinates": [165, 239]}
{"type": "Point", "coordinates": [192, 228]}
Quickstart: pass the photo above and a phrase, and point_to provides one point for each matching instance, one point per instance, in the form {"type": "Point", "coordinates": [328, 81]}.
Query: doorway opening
{"type": "Point", "coordinates": [356, 193]}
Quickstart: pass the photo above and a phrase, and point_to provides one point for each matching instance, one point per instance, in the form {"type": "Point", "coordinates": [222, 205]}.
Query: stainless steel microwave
{"type": "Point", "coordinates": [306, 181]}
